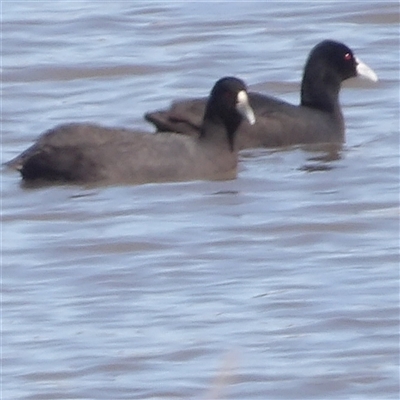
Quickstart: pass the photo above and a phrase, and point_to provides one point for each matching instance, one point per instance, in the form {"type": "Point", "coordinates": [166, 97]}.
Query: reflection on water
{"type": "Point", "coordinates": [324, 160]}
{"type": "Point", "coordinates": [281, 284]}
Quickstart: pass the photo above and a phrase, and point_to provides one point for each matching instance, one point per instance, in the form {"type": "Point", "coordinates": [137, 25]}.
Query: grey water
{"type": "Point", "coordinates": [280, 284]}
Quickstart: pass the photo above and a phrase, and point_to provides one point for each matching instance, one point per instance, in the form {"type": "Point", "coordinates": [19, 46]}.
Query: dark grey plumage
{"type": "Point", "coordinates": [89, 153]}
{"type": "Point", "coordinates": [318, 118]}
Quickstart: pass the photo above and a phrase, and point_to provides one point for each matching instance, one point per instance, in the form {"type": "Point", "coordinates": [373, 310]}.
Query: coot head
{"type": "Point", "coordinates": [328, 65]}
{"type": "Point", "coordinates": [340, 59]}
{"type": "Point", "coordinates": [229, 97]}
{"type": "Point", "coordinates": [228, 104]}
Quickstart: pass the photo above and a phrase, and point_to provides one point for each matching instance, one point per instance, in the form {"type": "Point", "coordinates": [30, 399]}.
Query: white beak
{"type": "Point", "coordinates": [365, 71]}
{"type": "Point", "coordinates": [243, 107]}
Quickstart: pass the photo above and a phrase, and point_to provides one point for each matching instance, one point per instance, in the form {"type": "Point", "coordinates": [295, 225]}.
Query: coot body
{"type": "Point", "coordinates": [88, 153]}
{"type": "Point", "coordinates": [317, 119]}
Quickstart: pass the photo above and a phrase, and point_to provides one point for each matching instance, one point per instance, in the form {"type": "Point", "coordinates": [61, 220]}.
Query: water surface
{"type": "Point", "coordinates": [281, 284]}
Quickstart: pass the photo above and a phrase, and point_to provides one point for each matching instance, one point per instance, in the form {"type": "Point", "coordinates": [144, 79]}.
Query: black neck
{"type": "Point", "coordinates": [219, 127]}
{"type": "Point", "coordinates": [320, 89]}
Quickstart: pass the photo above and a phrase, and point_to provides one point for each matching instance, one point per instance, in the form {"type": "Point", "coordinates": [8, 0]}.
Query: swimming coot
{"type": "Point", "coordinates": [88, 153]}
{"type": "Point", "coordinates": [318, 118]}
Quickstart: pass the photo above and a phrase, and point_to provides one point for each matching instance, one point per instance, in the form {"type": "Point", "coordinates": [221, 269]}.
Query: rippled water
{"type": "Point", "coordinates": [281, 284]}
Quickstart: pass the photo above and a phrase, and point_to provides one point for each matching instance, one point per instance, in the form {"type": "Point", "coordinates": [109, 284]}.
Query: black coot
{"type": "Point", "coordinates": [318, 118]}
{"type": "Point", "coordinates": [88, 153]}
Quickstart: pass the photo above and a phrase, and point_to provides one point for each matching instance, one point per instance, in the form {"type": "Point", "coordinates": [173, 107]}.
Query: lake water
{"type": "Point", "coordinates": [281, 284]}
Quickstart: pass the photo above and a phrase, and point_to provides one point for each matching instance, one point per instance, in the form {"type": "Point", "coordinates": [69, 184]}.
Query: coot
{"type": "Point", "coordinates": [87, 153]}
{"type": "Point", "coordinates": [318, 118]}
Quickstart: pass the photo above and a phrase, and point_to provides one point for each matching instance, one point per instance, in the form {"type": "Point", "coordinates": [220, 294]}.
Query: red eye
{"type": "Point", "coordinates": [348, 57]}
